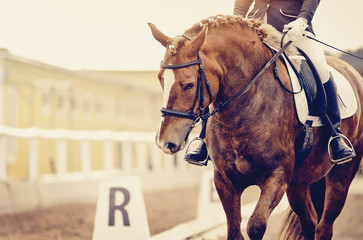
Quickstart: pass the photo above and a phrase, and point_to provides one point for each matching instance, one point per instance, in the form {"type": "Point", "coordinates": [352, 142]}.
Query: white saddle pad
{"type": "Point", "coordinates": [347, 104]}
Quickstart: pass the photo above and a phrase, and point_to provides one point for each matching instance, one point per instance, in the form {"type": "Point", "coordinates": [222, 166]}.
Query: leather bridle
{"type": "Point", "coordinates": [202, 83]}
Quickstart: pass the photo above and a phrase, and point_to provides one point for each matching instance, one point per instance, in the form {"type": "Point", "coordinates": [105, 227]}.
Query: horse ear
{"type": "Point", "coordinates": [158, 35]}
{"type": "Point", "coordinates": [198, 40]}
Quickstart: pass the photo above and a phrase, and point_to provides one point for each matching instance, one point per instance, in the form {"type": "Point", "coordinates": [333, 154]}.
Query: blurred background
{"type": "Point", "coordinates": [92, 65]}
{"type": "Point", "coordinates": [80, 100]}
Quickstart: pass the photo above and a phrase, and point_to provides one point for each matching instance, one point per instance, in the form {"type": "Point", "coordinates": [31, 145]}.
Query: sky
{"type": "Point", "coordinates": [114, 35]}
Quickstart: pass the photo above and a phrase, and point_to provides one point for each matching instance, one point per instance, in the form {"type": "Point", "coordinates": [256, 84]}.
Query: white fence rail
{"type": "Point", "coordinates": [138, 146]}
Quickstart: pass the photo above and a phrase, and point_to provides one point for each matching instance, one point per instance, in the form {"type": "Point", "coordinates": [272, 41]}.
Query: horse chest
{"type": "Point", "coordinates": [254, 149]}
{"type": "Point", "coordinates": [237, 155]}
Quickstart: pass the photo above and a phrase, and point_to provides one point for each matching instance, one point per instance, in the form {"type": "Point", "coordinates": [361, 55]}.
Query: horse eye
{"type": "Point", "coordinates": [188, 86]}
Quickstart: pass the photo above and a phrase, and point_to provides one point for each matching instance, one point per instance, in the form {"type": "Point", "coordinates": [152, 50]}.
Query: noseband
{"type": "Point", "coordinates": [200, 94]}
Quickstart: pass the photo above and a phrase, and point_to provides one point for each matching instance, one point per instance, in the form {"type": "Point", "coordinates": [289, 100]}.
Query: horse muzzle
{"type": "Point", "coordinates": [171, 143]}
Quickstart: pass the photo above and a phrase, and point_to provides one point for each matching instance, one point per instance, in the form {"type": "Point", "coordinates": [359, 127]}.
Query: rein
{"type": "Point", "coordinates": [267, 65]}
{"type": "Point", "coordinates": [203, 81]}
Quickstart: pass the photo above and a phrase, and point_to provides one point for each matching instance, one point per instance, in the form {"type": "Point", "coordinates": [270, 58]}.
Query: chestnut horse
{"type": "Point", "coordinates": [251, 140]}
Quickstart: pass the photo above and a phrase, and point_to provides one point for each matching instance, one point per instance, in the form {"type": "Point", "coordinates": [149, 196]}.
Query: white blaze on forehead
{"type": "Point", "coordinates": [169, 79]}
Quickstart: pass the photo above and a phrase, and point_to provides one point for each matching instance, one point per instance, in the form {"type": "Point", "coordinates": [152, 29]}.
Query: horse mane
{"type": "Point", "coordinates": [266, 32]}
{"type": "Point", "coordinates": [224, 20]}
{"type": "Point", "coordinates": [273, 38]}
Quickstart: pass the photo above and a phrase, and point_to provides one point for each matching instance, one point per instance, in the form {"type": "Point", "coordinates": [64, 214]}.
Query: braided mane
{"type": "Point", "coordinates": [228, 20]}
{"type": "Point", "coordinates": [266, 32]}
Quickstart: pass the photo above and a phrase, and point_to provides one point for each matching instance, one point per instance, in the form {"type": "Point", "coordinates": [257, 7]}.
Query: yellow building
{"type": "Point", "coordinates": [34, 94]}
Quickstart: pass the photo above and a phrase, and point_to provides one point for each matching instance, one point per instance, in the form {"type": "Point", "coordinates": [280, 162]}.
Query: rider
{"type": "Point", "coordinates": [293, 17]}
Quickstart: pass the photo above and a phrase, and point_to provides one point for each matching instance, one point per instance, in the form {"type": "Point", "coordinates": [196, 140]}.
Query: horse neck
{"type": "Point", "coordinates": [241, 61]}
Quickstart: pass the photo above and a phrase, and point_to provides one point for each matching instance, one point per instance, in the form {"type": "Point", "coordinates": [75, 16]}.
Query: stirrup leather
{"type": "Point", "coordinates": [344, 159]}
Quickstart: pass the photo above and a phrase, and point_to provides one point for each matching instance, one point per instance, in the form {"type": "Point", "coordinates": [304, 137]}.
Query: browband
{"type": "Point", "coordinates": [181, 65]}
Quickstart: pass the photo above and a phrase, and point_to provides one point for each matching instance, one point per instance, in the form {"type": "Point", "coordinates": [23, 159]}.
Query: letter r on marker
{"type": "Point", "coordinates": [121, 208]}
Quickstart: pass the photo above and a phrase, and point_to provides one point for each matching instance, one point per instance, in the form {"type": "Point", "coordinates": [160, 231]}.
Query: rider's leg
{"type": "Point", "coordinates": [340, 150]}
{"type": "Point", "coordinates": [315, 53]}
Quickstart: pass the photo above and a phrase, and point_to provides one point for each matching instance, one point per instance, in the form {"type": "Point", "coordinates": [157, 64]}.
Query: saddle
{"type": "Point", "coordinates": [310, 99]}
{"type": "Point", "coordinates": [310, 102]}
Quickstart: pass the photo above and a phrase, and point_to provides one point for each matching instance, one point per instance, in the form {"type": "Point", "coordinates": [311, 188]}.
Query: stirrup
{"type": "Point", "coordinates": [192, 161]}
{"type": "Point", "coordinates": [344, 159]}
{"type": "Point", "coordinates": [198, 163]}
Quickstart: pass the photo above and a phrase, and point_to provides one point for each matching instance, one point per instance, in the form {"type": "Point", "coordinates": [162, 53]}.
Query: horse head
{"type": "Point", "coordinates": [208, 45]}
{"type": "Point", "coordinates": [178, 78]}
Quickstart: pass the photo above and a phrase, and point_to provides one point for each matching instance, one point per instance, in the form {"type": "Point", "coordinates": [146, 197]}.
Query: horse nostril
{"type": "Point", "coordinates": [172, 147]}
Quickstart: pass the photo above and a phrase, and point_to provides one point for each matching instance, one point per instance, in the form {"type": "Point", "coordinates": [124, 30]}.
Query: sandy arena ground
{"type": "Point", "coordinates": [75, 221]}
{"type": "Point", "coordinates": [164, 210]}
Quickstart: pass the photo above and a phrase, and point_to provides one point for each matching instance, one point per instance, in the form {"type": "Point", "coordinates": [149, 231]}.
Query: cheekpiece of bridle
{"type": "Point", "coordinates": [202, 84]}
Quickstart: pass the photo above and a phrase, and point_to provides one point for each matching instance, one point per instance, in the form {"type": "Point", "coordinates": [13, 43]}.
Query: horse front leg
{"type": "Point", "coordinates": [337, 185]}
{"type": "Point", "coordinates": [300, 201]}
{"type": "Point", "coordinates": [272, 191]}
{"type": "Point", "coordinates": [231, 201]}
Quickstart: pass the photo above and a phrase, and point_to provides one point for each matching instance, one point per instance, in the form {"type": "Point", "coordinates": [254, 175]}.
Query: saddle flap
{"type": "Point", "coordinates": [312, 110]}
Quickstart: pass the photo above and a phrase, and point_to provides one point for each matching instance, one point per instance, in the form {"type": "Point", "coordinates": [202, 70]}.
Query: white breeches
{"type": "Point", "coordinates": [316, 54]}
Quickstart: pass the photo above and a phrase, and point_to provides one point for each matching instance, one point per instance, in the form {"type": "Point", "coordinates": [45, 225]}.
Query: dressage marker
{"type": "Point", "coordinates": [121, 212]}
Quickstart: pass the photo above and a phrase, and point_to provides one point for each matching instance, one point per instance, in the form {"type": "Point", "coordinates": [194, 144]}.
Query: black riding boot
{"type": "Point", "coordinates": [196, 152]}
{"type": "Point", "coordinates": [341, 152]}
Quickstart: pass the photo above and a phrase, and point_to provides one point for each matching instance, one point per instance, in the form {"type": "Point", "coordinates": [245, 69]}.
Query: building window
{"type": "Point", "coordinates": [46, 99]}
{"type": "Point", "coordinates": [73, 103]}
{"type": "Point", "coordinates": [12, 102]}
{"type": "Point", "coordinates": [87, 106]}
{"type": "Point", "coordinates": [61, 103]}
{"type": "Point", "coordinates": [99, 108]}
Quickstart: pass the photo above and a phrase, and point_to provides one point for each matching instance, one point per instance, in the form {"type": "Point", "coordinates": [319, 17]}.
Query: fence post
{"type": "Point", "coordinates": [181, 164]}
{"type": "Point", "coordinates": [126, 157]}
{"type": "Point", "coordinates": [169, 162]}
{"type": "Point", "coordinates": [142, 157]}
{"type": "Point", "coordinates": [156, 159]}
{"type": "Point", "coordinates": [61, 157]}
{"type": "Point", "coordinates": [33, 159]}
{"type": "Point", "coordinates": [108, 155]}
{"type": "Point", "coordinates": [85, 157]}
{"type": "Point", "coordinates": [3, 165]}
